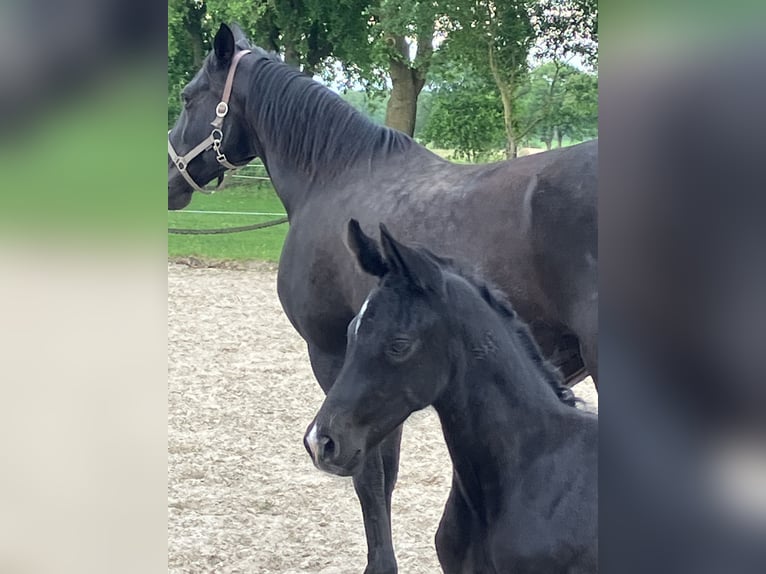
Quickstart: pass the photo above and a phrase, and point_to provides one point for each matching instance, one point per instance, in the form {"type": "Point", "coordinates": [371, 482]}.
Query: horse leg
{"type": "Point", "coordinates": [374, 483]}
{"type": "Point", "coordinates": [374, 486]}
{"type": "Point", "coordinates": [583, 320]}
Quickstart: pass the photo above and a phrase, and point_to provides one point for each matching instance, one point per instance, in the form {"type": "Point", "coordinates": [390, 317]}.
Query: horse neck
{"type": "Point", "coordinates": [496, 410]}
{"type": "Point", "coordinates": [309, 138]}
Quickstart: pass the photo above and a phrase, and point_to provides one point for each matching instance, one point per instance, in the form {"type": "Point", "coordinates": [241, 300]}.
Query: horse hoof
{"type": "Point", "coordinates": [387, 568]}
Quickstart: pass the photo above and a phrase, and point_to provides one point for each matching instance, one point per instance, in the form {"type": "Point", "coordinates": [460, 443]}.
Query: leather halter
{"type": "Point", "coordinates": [214, 139]}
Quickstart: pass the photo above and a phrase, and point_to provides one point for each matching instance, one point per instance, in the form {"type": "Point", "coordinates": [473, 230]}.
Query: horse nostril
{"type": "Point", "coordinates": [326, 448]}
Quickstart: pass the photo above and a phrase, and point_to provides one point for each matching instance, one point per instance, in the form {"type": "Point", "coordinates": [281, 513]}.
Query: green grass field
{"type": "Point", "coordinates": [261, 244]}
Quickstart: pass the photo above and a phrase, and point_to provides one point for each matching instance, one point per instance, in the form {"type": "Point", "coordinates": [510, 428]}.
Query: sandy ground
{"type": "Point", "coordinates": [243, 495]}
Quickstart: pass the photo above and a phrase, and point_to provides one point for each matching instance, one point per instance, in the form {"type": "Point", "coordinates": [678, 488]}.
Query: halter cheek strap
{"type": "Point", "coordinates": [213, 141]}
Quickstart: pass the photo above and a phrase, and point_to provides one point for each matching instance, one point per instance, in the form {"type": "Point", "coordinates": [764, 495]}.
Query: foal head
{"type": "Point", "coordinates": [395, 356]}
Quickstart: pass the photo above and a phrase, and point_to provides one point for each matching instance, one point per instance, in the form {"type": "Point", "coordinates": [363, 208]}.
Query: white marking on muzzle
{"type": "Point", "coordinates": [313, 441]}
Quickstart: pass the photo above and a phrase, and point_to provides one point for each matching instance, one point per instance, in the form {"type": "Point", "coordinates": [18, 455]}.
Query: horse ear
{"type": "Point", "coordinates": [223, 44]}
{"type": "Point", "coordinates": [366, 250]}
{"type": "Point", "coordinates": [422, 271]}
{"type": "Point", "coordinates": [239, 36]}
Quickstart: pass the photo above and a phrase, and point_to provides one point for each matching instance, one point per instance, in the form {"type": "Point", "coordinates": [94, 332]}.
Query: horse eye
{"type": "Point", "coordinates": [399, 347]}
{"type": "Point", "coordinates": [185, 99]}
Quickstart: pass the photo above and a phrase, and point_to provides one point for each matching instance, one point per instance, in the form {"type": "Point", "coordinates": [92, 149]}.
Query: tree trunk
{"type": "Point", "coordinates": [406, 81]}
{"type": "Point", "coordinates": [560, 137]}
{"type": "Point", "coordinates": [292, 58]}
{"type": "Point", "coordinates": [506, 92]}
{"type": "Point", "coordinates": [402, 107]}
{"type": "Point", "coordinates": [193, 24]}
{"type": "Point", "coordinates": [548, 142]}
{"type": "Point", "coordinates": [197, 49]}
{"type": "Point", "coordinates": [511, 150]}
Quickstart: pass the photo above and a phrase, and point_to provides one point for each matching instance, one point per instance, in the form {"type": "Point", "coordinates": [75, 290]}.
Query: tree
{"type": "Point", "coordinates": [559, 100]}
{"type": "Point", "coordinates": [311, 34]}
{"type": "Point", "coordinates": [466, 114]}
{"type": "Point", "coordinates": [494, 38]}
{"type": "Point", "coordinates": [468, 121]}
{"type": "Point", "coordinates": [186, 47]}
{"type": "Point", "coordinates": [566, 28]}
{"type": "Point", "coordinates": [577, 115]}
{"type": "Point", "coordinates": [367, 37]}
{"type": "Point", "coordinates": [406, 28]}
{"type": "Point", "coordinates": [502, 35]}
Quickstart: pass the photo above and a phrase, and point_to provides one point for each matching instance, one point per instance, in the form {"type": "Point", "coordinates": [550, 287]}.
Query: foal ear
{"type": "Point", "coordinates": [223, 44]}
{"type": "Point", "coordinates": [366, 250]}
{"type": "Point", "coordinates": [422, 271]}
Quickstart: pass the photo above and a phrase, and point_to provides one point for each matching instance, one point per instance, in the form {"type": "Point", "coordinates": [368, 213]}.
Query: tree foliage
{"type": "Point", "coordinates": [468, 122]}
{"type": "Point", "coordinates": [465, 112]}
{"type": "Point", "coordinates": [410, 42]}
{"type": "Point", "coordinates": [566, 28]}
{"type": "Point", "coordinates": [560, 102]}
{"type": "Point", "coordinates": [312, 35]}
{"type": "Point", "coordinates": [494, 38]}
{"type": "Point", "coordinates": [498, 38]}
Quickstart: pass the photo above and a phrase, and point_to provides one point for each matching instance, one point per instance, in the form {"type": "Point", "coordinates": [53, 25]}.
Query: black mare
{"type": "Point", "coordinates": [524, 490]}
{"type": "Point", "coordinates": [528, 223]}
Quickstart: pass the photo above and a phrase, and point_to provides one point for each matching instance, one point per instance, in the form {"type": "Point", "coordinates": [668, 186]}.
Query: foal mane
{"type": "Point", "coordinates": [499, 302]}
{"type": "Point", "coordinates": [339, 136]}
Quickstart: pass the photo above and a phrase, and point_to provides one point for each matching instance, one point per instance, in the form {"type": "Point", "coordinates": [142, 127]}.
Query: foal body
{"type": "Point", "coordinates": [523, 495]}
{"type": "Point", "coordinates": [524, 491]}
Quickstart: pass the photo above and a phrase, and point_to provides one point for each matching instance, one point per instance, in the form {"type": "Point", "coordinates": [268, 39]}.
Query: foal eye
{"type": "Point", "coordinates": [185, 99]}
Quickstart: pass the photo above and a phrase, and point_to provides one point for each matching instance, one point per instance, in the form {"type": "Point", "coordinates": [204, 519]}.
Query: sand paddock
{"type": "Point", "coordinates": [243, 495]}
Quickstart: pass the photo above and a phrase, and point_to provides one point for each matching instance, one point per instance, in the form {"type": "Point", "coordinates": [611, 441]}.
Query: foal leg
{"type": "Point", "coordinates": [374, 483]}
{"type": "Point", "coordinates": [451, 539]}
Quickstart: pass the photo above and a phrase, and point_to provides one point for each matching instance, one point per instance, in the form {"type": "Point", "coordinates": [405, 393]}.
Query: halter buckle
{"type": "Point", "coordinates": [221, 109]}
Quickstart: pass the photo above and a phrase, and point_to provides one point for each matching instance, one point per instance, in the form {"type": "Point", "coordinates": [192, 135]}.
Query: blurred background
{"type": "Point", "coordinates": [83, 341]}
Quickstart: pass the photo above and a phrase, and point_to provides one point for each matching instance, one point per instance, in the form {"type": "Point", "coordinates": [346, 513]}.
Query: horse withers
{"type": "Point", "coordinates": [524, 490]}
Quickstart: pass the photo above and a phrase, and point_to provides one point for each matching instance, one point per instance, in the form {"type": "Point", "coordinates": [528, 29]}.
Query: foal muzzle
{"type": "Point", "coordinates": [214, 140]}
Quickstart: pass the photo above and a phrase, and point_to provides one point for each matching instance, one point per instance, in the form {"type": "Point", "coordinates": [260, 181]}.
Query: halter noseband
{"type": "Point", "coordinates": [214, 139]}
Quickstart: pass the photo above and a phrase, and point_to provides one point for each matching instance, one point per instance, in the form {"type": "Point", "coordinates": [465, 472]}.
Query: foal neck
{"type": "Point", "coordinates": [498, 413]}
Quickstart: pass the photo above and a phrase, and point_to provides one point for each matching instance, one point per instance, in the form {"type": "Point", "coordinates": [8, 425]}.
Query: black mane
{"type": "Point", "coordinates": [339, 136]}
{"type": "Point", "coordinates": [498, 301]}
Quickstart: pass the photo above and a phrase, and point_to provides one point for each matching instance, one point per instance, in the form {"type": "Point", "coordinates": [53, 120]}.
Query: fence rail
{"type": "Point", "coordinates": [232, 213]}
{"type": "Point", "coordinates": [256, 170]}
{"type": "Point", "coordinates": [281, 218]}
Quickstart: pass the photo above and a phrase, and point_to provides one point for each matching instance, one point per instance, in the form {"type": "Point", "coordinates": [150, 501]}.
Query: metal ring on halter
{"type": "Point", "coordinates": [220, 135]}
{"type": "Point", "coordinates": [222, 109]}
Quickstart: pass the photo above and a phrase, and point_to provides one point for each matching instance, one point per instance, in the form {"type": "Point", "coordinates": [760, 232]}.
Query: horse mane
{"type": "Point", "coordinates": [500, 303]}
{"type": "Point", "coordinates": [340, 135]}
